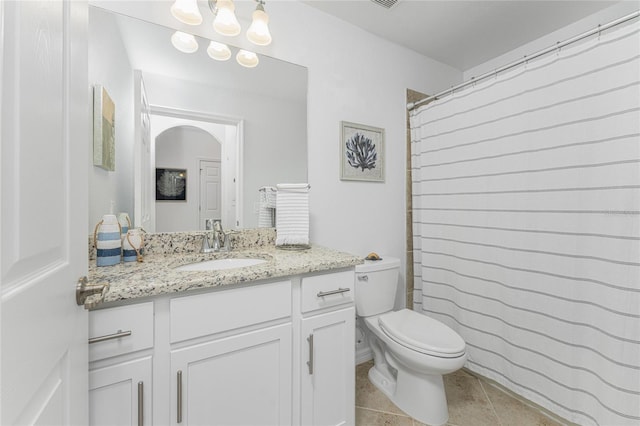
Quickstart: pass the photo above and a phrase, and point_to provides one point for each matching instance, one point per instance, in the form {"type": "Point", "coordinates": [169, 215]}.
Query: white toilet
{"type": "Point", "coordinates": [411, 351]}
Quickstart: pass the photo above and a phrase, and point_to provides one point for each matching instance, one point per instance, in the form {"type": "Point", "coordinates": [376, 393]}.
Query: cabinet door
{"type": "Point", "coordinates": [121, 394]}
{"type": "Point", "coordinates": [328, 369]}
{"type": "Point", "coordinates": [239, 380]}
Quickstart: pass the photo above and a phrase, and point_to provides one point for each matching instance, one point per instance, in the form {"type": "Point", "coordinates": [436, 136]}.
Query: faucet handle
{"type": "Point", "coordinates": [227, 241]}
{"type": "Point", "coordinates": [205, 244]}
{"type": "Point", "coordinates": [208, 224]}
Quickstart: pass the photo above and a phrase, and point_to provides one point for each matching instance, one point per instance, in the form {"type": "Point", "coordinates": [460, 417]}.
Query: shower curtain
{"type": "Point", "coordinates": [526, 207]}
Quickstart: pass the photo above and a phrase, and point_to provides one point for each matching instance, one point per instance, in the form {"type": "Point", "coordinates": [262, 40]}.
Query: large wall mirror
{"type": "Point", "coordinates": [208, 134]}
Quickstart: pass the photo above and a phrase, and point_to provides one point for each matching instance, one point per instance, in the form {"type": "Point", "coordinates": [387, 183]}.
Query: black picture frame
{"type": "Point", "coordinates": [171, 184]}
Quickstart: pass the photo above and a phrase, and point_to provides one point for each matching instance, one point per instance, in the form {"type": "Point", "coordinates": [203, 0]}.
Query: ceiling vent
{"type": "Point", "coordinates": [387, 4]}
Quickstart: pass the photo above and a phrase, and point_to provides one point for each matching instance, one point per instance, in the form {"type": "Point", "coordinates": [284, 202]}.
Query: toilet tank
{"type": "Point", "coordinates": [376, 285]}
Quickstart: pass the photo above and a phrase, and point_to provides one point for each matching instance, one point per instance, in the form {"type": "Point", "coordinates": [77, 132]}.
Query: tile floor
{"type": "Point", "coordinates": [472, 402]}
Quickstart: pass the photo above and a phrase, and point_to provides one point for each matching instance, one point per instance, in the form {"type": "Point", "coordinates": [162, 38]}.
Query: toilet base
{"type": "Point", "coordinates": [420, 396]}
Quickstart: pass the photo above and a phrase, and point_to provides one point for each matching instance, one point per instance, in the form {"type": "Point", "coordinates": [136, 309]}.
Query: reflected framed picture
{"type": "Point", "coordinates": [362, 152]}
{"type": "Point", "coordinates": [104, 129]}
{"type": "Point", "coordinates": [171, 184]}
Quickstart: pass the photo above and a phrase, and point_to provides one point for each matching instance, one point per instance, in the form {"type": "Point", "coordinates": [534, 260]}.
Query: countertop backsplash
{"type": "Point", "coordinates": [191, 242]}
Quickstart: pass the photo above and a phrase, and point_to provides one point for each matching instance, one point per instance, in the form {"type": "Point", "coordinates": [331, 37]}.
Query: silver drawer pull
{"type": "Point", "coordinates": [179, 391]}
{"type": "Point", "coordinates": [363, 277]}
{"type": "Point", "coordinates": [117, 335]}
{"type": "Point", "coordinates": [140, 404]}
{"type": "Point", "coordinates": [310, 362]}
{"type": "Point", "coordinates": [329, 293]}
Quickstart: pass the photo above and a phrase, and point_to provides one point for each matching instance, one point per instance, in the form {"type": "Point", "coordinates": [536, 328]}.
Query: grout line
{"type": "Point", "coordinates": [384, 412]}
{"type": "Point", "coordinates": [495, 413]}
{"type": "Point", "coordinates": [522, 400]}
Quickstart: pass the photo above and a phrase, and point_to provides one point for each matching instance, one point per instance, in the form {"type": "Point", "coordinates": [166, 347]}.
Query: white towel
{"type": "Point", "coordinates": [292, 214]}
{"type": "Point", "coordinates": [266, 209]}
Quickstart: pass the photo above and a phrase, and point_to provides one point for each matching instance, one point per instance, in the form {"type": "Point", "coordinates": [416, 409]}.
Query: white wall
{"type": "Point", "coordinates": [353, 76]}
{"type": "Point", "coordinates": [109, 66]}
{"type": "Point", "coordinates": [182, 148]}
{"type": "Point", "coordinates": [604, 16]}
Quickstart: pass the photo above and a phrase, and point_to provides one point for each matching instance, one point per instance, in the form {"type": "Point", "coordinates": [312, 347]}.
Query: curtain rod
{"type": "Point", "coordinates": [559, 45]}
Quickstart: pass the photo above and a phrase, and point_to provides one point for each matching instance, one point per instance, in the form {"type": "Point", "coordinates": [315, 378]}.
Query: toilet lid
{"type": "Point", "coordinates": [422, 334]}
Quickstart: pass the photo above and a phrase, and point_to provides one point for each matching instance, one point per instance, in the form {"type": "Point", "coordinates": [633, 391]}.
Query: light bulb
{"type": "Point", "coordinates": [226, 22]}
{"type": "Point", "coordinates": [184, 42]}
{"type": "Point", "coordinates": [187, 11]}
{"type": "Point", "coordinates": [247, 59]}
{"type": "Point", "coordinates": [218, 51]}
{"type": "Point", "coordinates": [258, 32]}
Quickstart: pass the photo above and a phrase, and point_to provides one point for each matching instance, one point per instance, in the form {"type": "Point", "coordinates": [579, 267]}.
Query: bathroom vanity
{"type": "Point", "coordinates": [269, 344]}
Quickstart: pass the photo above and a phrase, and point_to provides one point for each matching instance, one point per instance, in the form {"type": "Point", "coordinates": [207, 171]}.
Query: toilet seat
{"type": "Point", "coordinates": [422, 334]}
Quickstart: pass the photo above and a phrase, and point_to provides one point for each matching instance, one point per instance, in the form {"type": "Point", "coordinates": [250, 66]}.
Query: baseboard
{"type": "Point", "coordinates": [363, 355]}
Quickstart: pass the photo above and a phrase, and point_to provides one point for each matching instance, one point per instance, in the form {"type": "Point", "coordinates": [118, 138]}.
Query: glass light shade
{"type": "Point", "coordinates": [258, 32]}
{"type": "Point", "coordinates": [247, 59]}
{"type": "Point", "coordinates": [187, 11]}
{"type": "Point", "coordinates": [226, 22]}
{"type": "Point", "coordinates": [218, 51]}
{"type": "Point", "coordinates": [184, 42]}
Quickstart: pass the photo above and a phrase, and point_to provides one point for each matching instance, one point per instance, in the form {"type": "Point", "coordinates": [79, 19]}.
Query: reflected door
{"type": "Point", "coordinates": [210, 193]}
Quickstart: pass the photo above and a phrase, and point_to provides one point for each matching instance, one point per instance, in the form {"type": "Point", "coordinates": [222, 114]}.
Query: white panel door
{"type": "Point", "coordinates": [43, 215]}
{"type": "Point", "coordinates": [210, 191]}
{"type": "Point", "coordinates": [328, 369]}
{"type": "Point", "coordinates": [120, 394]}
{"type": "Point", "coordinates": [240, 380]}
{"type": "Point", "coordinates": [144, 173]}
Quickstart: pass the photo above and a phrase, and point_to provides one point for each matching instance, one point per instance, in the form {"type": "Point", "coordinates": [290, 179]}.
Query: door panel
{"type": "Point", "coordinates": [328, 385]}
{"type": "Point", "coordinates": [114, 392]}
{"type": "Point", "coordinates": [210, 192]}
{"type": "Point", "coordinates": [43, 199]}
{"type": "Point", "coordinates": [240, 380]}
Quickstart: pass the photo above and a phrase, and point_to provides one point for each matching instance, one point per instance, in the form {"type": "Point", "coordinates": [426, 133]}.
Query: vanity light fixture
{"type": "Point", "coordinates": [225, 22]}
{"type": "Point", "coordinates": [258, 33]}
{"type": "Point", "coordinates": [247, 59]}
{"type": "Point", "coordinates": [184, 42]}
{"type": "Point", "coordinates": [186, 11]}
{"type": "Point", "coordinates": [218, 51]}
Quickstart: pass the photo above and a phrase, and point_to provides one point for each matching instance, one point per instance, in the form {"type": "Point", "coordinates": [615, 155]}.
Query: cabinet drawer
{"type": "Point", "coordinates": [322, 291]}
{"type": "Point", "coordinates": [225, 310]}
{"type": "Point", "coordinates": [117, 331]}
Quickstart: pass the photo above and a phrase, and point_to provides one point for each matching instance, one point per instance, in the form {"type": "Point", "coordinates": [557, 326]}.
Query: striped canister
{"type": "Point", "coordinates": [132, 244]}
{"type": "Point", "coordinates": [107, 240]}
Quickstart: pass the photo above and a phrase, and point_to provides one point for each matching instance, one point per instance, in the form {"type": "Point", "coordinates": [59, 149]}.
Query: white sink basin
{"type": "Point", "coordinates": [219, 264]}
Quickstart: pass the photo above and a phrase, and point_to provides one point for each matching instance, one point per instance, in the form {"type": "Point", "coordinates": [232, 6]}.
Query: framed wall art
{"type": "Point", "coordinates": [362, 152]}
{"type": "Point", "coordinates": [104, 129]}
{"type": "Point", "coordinates": [171, 184]}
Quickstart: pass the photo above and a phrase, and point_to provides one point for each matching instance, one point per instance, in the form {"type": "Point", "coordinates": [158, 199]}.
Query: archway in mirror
{"type": "Point", "coordinates": [197, 154]}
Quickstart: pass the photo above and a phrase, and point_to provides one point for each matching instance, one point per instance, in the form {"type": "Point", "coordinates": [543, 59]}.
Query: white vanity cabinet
{"type": "Point", "coordinates": [327, 377]}
{"type": "Point", "coordinates": [120, 369]}
{"type": "Point", "coordinates": [232, 355]}
{"type": "Point", "coordinates": [241, 378]}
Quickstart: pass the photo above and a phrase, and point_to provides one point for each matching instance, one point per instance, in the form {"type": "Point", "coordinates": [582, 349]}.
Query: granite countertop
{"type": "Point", "coordinates": [156, 274]}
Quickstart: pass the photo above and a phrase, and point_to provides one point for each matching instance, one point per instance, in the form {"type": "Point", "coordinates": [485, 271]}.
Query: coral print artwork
{"type": "Point", "coordinates": [362, 151]}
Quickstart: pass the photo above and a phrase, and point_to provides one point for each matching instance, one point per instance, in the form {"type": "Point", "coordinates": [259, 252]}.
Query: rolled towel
{"type": "Point", "coordinates": [292, 214]}
{"type": "Point", "coordinates": [266, 209]}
